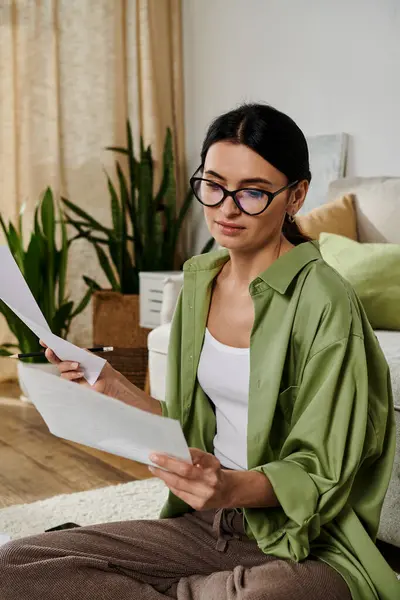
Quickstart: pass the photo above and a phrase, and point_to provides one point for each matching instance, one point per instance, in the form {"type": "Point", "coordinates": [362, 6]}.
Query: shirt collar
{"type": "Point", "coordinates": [282, 272]}
{"type": "Point", "coordinates": [278, 276]}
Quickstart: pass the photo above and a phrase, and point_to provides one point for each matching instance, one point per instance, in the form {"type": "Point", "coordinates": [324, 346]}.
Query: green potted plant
{"type": "Point", "coordinates": [43, 263]}
{"type": "Point", "coordinates": [146, 224]}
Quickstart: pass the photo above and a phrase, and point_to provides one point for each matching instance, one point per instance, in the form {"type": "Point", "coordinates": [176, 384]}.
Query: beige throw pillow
{"type": "Point", "coordinates": [337, 217]}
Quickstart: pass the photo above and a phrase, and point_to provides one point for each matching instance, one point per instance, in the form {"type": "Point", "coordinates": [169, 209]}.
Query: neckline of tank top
{"type": "Point", "coordinates": [224, 347]}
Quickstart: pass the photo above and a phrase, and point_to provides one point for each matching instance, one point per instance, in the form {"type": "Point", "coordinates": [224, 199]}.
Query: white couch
{"type": "Point", "coordinates": [378, 220]}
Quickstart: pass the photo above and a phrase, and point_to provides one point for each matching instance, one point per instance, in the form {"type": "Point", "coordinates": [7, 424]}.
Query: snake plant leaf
{"type": "Point", "coordinates": [132, 196]}
{"type": "Point", "coordinates": [107, 268]}
{"type": "Point", "coordinates": [83, 303]}
{"type": "Point", "coordinates": [61, 319]}
{"type": "Point", "coordinates": [84, 215]}
{"type": "Point", "coordinates": [92, 283]}
{"type": "Point", "coordinates": [86, 233]}
{"type": "Point", "coordinates": [115, 209]}
{"type": "Point", "coordinates": [118, 149]}
{"type": "Point", "coordinates": [159, 199]}
{"type": "Point", "coordinates": [208, 246]}
{"type": "Point", "coordinates": [43, 265]}
{"type": "Point", "coordinates": [117, 223]}
{"type": "Point", "coordinates": [49, 229]}
{"type": "Point", "coordinates": [4, 228]}
{"type": "Point", "coordinates": [5, 352]}
{"type": "Point", "coordinates": [124, 213]}
{"type": "Point", "coordinates": [168, 162]}
{"type": "Point", "coordinates": [129, 276]}
{"type": "Point", "coordinates": [14, 243]}
{"type": "Point", "coordinates": [181, 216]}
{"type": "Point", "coordinates": [9, 345]}
{"type": "Point", "coordinates": [32, 266]}
{"type": "Point", "coordinates": [20, 227]}
{"type": "Point", "coordinates": [158, 238]}
{"type": "Point", "coordinates": [26, 338]}
{"type": "Point", "coordinates": [63, 258]}
{"type": "Point", "coordinates": [145, 205]}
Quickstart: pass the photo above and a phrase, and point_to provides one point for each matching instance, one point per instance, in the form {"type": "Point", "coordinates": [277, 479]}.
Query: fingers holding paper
{"type": "Point", "coordinates": [69, 370]}
{"type": "Point", "coordinates": [203, 485]}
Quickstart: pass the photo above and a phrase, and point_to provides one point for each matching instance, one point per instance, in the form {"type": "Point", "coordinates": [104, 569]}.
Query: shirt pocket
{"type": "Point", "coordinates": [286, 400]}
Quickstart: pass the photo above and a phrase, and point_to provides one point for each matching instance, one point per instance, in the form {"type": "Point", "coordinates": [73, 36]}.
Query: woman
{"type": "Point", "coordinates": [283, 394]}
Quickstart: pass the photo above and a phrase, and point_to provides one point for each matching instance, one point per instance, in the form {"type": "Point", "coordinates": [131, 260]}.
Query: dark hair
{"type": "Point", "coordinates": [275, 137]}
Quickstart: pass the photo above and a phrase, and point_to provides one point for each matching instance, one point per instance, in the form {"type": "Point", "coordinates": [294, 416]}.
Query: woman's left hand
{"type": "Point", "coordinates": [202, 485]}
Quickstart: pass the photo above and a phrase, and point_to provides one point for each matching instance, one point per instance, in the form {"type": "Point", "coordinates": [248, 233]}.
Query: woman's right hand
{"type": "Point", "coordinates": [72, 371]}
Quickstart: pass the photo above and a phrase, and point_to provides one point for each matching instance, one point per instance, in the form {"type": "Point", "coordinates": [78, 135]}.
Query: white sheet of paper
{"type": "Point", "coordinates": [79, 414]}
{"type": "Point", "coordinates": [14, 291]}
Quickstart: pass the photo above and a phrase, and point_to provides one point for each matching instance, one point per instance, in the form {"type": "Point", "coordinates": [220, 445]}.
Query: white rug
{"type": "Point", "coordinates": [124, 502]}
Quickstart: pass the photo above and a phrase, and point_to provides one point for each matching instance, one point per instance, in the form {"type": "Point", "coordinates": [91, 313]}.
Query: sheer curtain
{"type": "Point", "coordinates": [71, 72]}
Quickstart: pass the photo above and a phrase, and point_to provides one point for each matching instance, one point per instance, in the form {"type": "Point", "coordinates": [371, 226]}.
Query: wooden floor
{"type": "Point", "coordinates": [34, 464]}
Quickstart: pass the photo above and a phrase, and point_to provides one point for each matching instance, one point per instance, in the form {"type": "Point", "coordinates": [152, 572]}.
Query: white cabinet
{"type": "Point", "coordinates": [151, 296]}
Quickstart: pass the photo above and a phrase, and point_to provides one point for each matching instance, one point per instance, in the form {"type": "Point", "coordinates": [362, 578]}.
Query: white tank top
{"type": "Point", "coordinates": [224, 375]}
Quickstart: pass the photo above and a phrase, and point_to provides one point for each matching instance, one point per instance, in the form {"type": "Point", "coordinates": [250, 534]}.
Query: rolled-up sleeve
{"type": "Point", "coordinates": [320, 457]}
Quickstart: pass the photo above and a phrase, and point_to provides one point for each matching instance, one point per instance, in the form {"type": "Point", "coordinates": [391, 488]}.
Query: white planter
{"type": "Point", "coordinates": [47, 368]}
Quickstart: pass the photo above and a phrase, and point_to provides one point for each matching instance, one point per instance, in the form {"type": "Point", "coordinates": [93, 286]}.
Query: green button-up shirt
{"type": "Point", "coordinates": [320, 416]}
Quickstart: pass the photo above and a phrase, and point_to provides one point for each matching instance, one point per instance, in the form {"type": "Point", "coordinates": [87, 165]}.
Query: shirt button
{"type": "Point", "coordinates": [190, 307]}
{"type": "Point", "coordinates": [190, 356]}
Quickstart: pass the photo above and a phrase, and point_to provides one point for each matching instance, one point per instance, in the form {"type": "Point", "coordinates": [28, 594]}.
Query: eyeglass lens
{"type": "Point", "coordinates": [210, 194]}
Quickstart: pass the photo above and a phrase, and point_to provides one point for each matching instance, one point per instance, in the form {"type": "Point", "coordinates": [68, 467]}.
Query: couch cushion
{"type": "Point", "coordinates": [337, 217]}
{"type": "Point", "coordinates": [374, 272]}
{"type": "Point", "coordinates": [377, 201]}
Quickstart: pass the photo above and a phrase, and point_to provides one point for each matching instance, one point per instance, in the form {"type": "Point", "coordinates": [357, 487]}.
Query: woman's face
{"type": "Point", "coordinates": [235, 166]}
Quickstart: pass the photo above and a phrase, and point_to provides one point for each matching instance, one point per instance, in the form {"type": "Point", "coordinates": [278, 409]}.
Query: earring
{"type": "Point", "coordinates": [290, 218]}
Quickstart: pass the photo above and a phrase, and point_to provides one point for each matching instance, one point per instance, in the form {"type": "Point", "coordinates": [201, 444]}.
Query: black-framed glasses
{"type": "Point", "coordinates": [251, 201]}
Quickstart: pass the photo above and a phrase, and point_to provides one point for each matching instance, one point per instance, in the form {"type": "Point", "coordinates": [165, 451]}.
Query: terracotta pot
{"type": "Point", "coordinates": [116, 321]}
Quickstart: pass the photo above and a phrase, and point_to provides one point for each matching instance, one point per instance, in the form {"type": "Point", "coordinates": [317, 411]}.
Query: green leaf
{"type": "Point", "coordinates": [27, 341]}
{"type": "Point", "coordinates": [146, 206]}
{"type": "Point", "coordinates": [84, 215]}
{"type": "Point", "coordinates": [92, 283]}
{"type": "Point", "coordinates": [181, 217]}
{"type": "Point", "coordinates": [63, 259]}
{"type": "Point", "coordinates": [14, 242]}
{"type": "Point", "coordinates": [5, 352]}
{"type": "Point", "coordinates": [38, 230]}
{"type": "Point", "coordinates": [15, 245]}
{"type": "Point", "coordinates": [169, 165]}
{"type": "Point", "coordinates": [61, 318]}
{"type": "Point", "coordinates": [159, 199]}
{"type": "Point", "coordinates": [130, 276]}
{"type": "Point", "coordinates": [32, 266]}
{"type": "Point", "coordinates": [107, 268]}
{"type": "Point", "coordinates": [83, 303]}
{"type": "Point", "coordinates": [208, 246]}
{"type": "Point", "coordinates": [133, 197]}
{"type": "Point", "coordinates": [115, 208]}
{"type": "Point", "coordinates": [49, 229]}
{"type": "Point", "coordinates": [118, 149]}
{"type": "Point", "coordinates": [85, 234]}
{"type": "Point", "coordinates": [4, 228]}
{"type": "Point", "coordinates": [117, 223]}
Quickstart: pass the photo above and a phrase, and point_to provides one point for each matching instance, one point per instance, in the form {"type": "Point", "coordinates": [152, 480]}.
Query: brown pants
{"type": "Point", "coordinates": [200, 556]}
